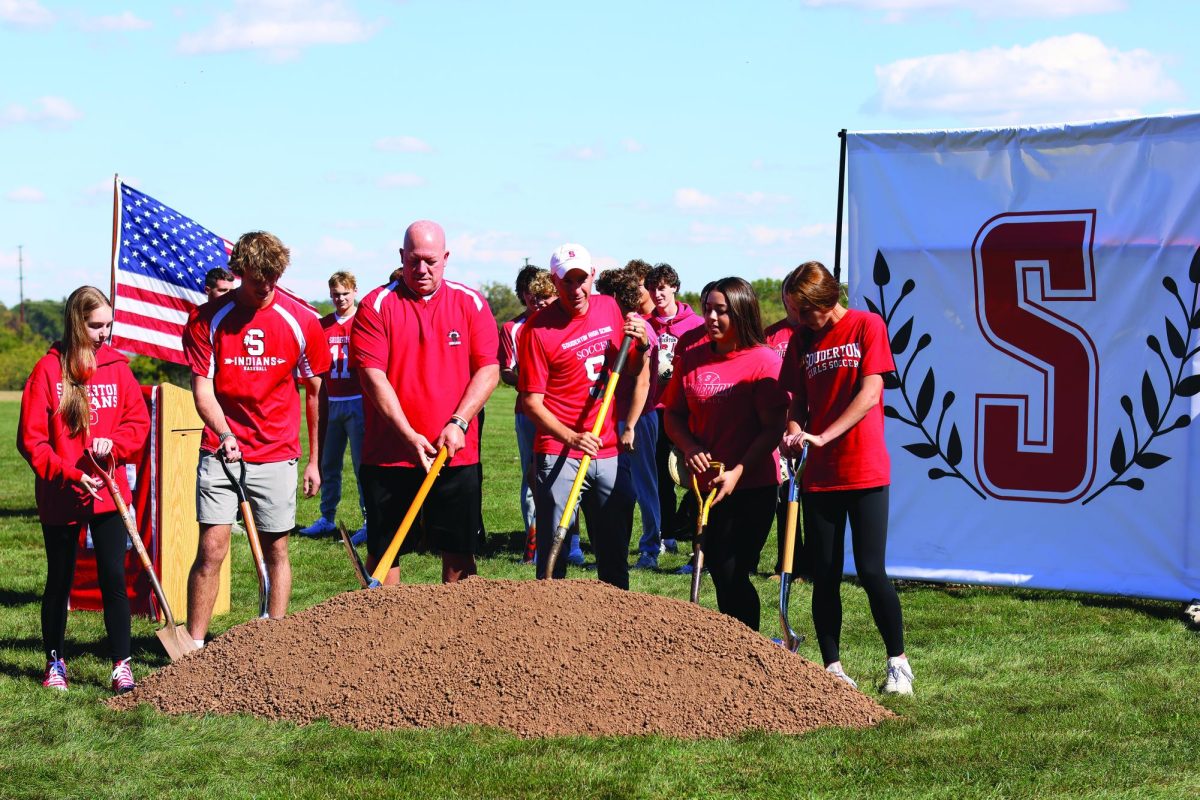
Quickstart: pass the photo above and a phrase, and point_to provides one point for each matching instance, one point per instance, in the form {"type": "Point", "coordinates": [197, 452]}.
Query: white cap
{"type": "Point", "coordinates": [568, 257]}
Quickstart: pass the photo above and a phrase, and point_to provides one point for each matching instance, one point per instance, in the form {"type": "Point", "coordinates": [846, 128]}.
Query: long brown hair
{"type": "Point", "coordinates": [78, 358]}
{"type": "Point", "coordinates": [742, 303]}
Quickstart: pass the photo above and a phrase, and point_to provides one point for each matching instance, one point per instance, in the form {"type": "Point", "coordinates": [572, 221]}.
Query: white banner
{"type": "Point", "coordinates": [1042, 292]}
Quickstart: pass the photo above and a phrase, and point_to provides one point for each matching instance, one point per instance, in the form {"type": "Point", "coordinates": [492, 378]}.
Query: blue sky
{"type": "Point", "coordinates": [703, 134]}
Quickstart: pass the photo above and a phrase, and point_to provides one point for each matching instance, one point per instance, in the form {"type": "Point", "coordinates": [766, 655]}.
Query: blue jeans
{"type": "Point", "coordinates": [345, 424]}
{"type": "Point", "coordinates": [644, 474]}
{"type": "Point", "coordinates": [526, 430]}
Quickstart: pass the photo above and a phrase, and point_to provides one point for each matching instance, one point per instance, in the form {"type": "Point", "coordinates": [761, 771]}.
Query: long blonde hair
{"type": "Point", "coordinates": [78, 358]}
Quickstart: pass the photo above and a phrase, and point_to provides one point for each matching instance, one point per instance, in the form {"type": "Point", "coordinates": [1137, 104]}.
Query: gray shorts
{"type": "Point", "coordinates": [271, 489]}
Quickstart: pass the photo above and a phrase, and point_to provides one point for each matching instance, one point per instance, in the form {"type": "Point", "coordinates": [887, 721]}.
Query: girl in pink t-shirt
{"type": "Point", "coordinates": [834, 369]}
{"type": "Point", "coordinates": [724, 403]}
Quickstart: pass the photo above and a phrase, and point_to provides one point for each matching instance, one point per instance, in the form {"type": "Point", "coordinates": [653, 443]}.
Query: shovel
{"type": "Point", "coordinates": [264, 580]}
{"type": "Point", "coordinates": [175, 638]}
{"type": "Point", "coordinates": [389, 556]}
{"type": "Point", "coordinates": [791, 640]}
{"type": "Point", "coordinates": [360, 569]}
{"type": "Point", "coordinates": [701, 524]}
{"type": "Point", "coordinates": [560, 533]}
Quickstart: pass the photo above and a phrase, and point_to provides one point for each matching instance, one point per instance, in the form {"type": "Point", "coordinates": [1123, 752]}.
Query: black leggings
{"type": "Point", "coordinates": [825, 515]}
{"type": "Point", "coordinates": [733, 541]}
{"type": "Point", "coordinates": [108, 538]}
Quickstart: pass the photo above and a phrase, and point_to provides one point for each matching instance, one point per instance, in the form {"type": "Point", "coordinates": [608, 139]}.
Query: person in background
{"type": "Point", "coordinates": [725, 404]}
{"type": "Point", "coordinates": [566, 352]}
{"type": "Point", "coordinates": [834, 369]}
{"type": "Point", "coordinates": [637, 422]}
{"type": "Point", "coordinates": [778, 335]}
{"type": "Point", "coordinates": [341, 409]}
{"type": "Point", "coordinates": [425, 350]}
{"type": "Point", "coordinates": [508, 374]}
{"type": "Point", "coordinates": [82, 395]}
{"type": "Point", "coordinates": [217, 282]}
{"type": "Point", "coordinates": [669, 320]}
{"type": "Point", "coordinates": [249, 351]}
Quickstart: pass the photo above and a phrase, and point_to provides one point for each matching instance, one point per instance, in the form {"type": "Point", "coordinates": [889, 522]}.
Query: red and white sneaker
{"type": "Point", "coordinates": [56, 673]}
{"type": "Point", "coordinates": [122, 678]}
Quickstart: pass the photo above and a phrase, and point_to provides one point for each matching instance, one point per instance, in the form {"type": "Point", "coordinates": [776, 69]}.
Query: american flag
{"type": "Point", "coordinates": [160, 258]}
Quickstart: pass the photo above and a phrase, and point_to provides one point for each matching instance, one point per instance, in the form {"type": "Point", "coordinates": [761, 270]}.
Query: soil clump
{"type": "Point", "coordinates": [537, 658]}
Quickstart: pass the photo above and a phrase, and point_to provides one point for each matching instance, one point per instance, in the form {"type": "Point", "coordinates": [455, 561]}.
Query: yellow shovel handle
{"type": "Point", "coordinates": [389, 555]}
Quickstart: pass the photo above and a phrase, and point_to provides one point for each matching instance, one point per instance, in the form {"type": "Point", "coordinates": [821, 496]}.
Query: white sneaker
{"type": "Point", "coordinates": [835, 669]}
{"type": "Point", "coordinates": [899, 677]}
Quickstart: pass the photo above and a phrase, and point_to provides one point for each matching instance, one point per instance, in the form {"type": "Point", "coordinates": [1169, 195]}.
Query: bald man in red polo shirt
{"type": "Point", "coordinates": [425, 350]}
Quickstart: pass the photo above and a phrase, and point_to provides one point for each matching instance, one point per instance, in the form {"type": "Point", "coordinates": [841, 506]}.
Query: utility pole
{"type": "Point", "coordinates": [21, 279]}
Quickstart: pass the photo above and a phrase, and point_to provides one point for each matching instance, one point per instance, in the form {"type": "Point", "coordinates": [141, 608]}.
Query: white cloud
{"type": "Point", "coordinates": [1061, 78]}
{"type": "Point", "coordinates": [490, 247]}
{"type": "Point", "coordinates": [902, 10]}
{"type": "Point", "coordinates": [631, 146]}
{"type": "Point", "coordinates": [767, 236]}
{"type": "Point", "coordinates": [25, 14]}
{"type": "Point", "coordinates": [400, 180]}
{"type": "Point", "coordinates": [281, 28]}
{"type": "Point", "coordinates": [694, 200]}
{"type": "Point", "coordinates": [699, 233]}
{"type": "Point", "coordinates": [125, 21]}
{"type": "Point", "coordinates": [403, 144]}
{"type": "Point", "coordinates": [47, 112]}
{"type": "Point", "coordinates": [584, 153]}
{"type": "Point", "coordinates": [343, 251]}
{"type": "Point", "coordinates": [26, 194]}
{"type": "Point", "coordinates": [357, 224]}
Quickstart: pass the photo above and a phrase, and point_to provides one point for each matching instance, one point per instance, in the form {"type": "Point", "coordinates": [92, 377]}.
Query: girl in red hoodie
{"type": "Point", "coordinates": [82, 395]}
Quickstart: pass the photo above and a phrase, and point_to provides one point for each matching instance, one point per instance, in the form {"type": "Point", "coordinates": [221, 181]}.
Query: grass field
{"type": "Point", "coordinates": [1018, 694]}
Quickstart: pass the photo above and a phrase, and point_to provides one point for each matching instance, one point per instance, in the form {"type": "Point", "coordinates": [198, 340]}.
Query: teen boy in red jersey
{"type": "Point", "coordinates": [566, 352]}
{"type": "Point", "coordinates": [425, 349]}
{"type": "Point", "coordinates": [341, 408]}
{"type": "Point", "coordinates": [246, 350]}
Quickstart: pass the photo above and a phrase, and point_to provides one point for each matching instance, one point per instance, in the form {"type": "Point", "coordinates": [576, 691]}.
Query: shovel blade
{"type": "Point", "coordinates": [360, 569]}
{"type": "Point", "coordinates": [176, 641]}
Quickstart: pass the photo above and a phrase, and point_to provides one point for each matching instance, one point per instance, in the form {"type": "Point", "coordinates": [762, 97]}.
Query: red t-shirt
{"type": "Point", "coordinates": [508, 346]}
{"type": "Point", "coordinates": [254, 356]}
{"type": "Point", "coordinates": [778, 336]}
{"type": "Point", "coordinates": [342, 381]}
{"type": "Point", "coordinates": [824, 371]}
{"type": "Point", "coordinates": [722, 396]}
{"type": "Point", "coordinates": [567, 360]}
{"type": "Point", "coordinates": [429, 349]}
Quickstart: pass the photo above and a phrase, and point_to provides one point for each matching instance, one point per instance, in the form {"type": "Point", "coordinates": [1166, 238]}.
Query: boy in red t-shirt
{"type": "Point", "coordinates": [341, 408]}
{"type": "Point", "coordinates": [425, 350]}
{"type": "Point", "coordinates": [246, 350]}
{"type": "Point", "coordinates": [566, 352]}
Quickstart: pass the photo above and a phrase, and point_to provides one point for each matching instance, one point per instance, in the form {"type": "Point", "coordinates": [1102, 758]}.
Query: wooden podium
{"type": "Point", "coordinates": [179, 429]}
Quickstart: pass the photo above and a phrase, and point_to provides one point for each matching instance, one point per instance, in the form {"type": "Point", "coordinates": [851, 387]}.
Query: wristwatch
{"type": "Point", "coordinates": [459, 421]}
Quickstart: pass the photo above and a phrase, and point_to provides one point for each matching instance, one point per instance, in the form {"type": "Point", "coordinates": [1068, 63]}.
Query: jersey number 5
{"type": "Point", "coordinates": [1039, 442]}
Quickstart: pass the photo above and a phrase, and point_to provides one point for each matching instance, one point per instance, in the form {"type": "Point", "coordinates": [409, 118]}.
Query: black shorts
{"type": "Point", "coordinates": [450, 514]}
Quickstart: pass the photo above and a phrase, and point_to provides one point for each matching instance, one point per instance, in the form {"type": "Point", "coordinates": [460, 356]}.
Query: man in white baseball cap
{"type": "Point", "coordinates": [566, 352]}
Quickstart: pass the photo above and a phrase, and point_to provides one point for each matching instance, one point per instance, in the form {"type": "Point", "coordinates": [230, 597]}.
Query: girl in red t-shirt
{"type": "Point", "coordinates": [724, 403]}
{"type": "Point", "coordinates": [82, 395]}
{"type": "Point", "coordinates": [834, 368]}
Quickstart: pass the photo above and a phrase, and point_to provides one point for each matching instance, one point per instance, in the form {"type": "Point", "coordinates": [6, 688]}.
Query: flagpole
{"type": "Point", "coordinates": [112, 283]}
{"type": "Point", "coordinates": [837, 242]}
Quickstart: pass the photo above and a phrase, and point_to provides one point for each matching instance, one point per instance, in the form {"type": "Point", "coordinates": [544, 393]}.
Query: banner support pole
{"type": "Point", "coordinates": [837, 242]}
{"type": "Point", "coordinates": [112, 282]}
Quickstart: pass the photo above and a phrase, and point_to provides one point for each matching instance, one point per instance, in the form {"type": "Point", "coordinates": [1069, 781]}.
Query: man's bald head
{"type": "Point", "coordinates": [425, 230]}
{"type": "Point", "coordinates": [424, 256]}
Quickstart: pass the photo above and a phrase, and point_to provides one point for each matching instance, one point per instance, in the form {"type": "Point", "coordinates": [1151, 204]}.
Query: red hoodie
{"type": "Point", "coordinates": [668, 330]}
{"type": "Point", "coordinates": [118, 413]}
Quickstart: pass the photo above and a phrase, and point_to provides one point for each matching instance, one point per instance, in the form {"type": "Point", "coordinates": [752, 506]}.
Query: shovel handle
{"type": "Point", "coordinates": [610, 388]}
{"type": "Point", "coordinates": [389, 556]}
{"type": "Point", "coordinates": [110, 483]}
{"type": "Point", "coordinates": [238, 483]}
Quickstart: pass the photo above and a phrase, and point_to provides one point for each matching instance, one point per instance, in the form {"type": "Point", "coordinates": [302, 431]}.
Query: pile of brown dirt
{"type": "Point", "coordinates": [538, 658]}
